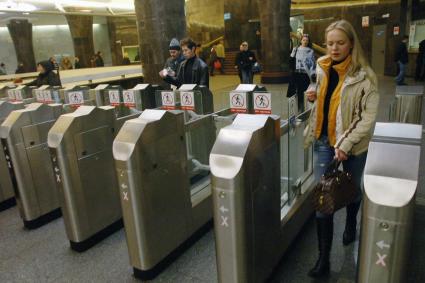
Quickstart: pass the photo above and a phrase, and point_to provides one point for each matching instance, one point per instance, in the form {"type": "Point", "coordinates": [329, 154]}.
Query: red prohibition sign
{"type": "Point", "coordinates": [262, 101]}
{"type": "Point", "coordinates": [238, 101]}
{"type": "Point", "coordinates": [187, 99]}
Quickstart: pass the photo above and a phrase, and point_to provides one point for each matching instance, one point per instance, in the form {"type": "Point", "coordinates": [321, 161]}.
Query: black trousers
{"type": "Point", "coordinates": [298, 85]}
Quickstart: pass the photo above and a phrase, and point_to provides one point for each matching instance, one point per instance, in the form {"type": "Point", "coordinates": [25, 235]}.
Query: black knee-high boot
{"type": "Point", "coordinates": [325, 230]}
{"type": "Point", "coordinates": [350, 225]}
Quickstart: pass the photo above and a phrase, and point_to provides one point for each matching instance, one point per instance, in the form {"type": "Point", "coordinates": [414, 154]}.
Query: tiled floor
{"type": "Point", "coordinates": [43, 255]}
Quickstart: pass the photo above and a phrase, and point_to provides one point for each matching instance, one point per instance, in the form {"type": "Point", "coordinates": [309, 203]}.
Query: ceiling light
{"type": "Point", "coordinates": [25, 13]}
{"type": "Point", "coordinates": [85, 11]}
{"type": "Point", "coordinates": [17, 7]}
{"type": "Point", "coordinates": [120, 5]}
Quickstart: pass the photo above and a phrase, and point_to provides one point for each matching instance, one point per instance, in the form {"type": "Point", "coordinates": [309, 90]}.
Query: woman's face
{"type": "Point", "coordinates": [338, 45]}
{"type": "Point", "coordinates": [304, 41]}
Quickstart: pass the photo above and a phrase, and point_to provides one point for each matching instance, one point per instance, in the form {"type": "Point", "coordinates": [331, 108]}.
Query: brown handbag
{"type": "Point", "coordinates": [334, 191]}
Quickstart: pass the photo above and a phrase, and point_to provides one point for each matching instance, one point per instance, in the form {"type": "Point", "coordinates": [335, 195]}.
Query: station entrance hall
{"type": "Point", "coordinates": [231, 141]}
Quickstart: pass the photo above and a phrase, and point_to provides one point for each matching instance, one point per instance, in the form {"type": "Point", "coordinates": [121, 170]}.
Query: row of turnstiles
{"type": "Point", "coordinates": [106, 157]}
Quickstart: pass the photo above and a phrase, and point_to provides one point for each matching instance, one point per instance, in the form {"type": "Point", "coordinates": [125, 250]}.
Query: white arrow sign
{"type": "Point", "coordinates": [223, 209]}
{"type": "Point", "coordinates": [382, 245]}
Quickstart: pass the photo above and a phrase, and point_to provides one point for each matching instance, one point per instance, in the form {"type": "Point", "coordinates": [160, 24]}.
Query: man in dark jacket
{"type": "Point", "coordinates": [46, 75]}
{"type": "Point", "coordinates": [402, 58]}
{"type": "Point", "coordinates": [244, 61]}
{"type": "Point", "coordinates": [191, 71]}
{"type": "Point", "coordinates": [99, 59]}
{"type": "Point", "coordinates": [420, 62]}
{"type": "Point", "coordinates": [172, 64]}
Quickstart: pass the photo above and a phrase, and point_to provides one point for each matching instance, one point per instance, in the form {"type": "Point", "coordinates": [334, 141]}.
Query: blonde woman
{"type": "Point", "coordinates": [343, 116]}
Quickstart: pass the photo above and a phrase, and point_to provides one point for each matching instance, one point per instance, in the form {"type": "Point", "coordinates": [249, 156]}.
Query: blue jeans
{"type": "Point", "coordinates": [324, 154]}
{"type": "Point", "coordinates": [247, 76]}
{"type": "Point", "coordinates": [402, 72]}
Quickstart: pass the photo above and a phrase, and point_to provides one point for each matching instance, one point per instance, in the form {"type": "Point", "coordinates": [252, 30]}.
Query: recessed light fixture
{"type": "Point", "coordinates": [85, 11]}
{"type": "Point", "coordinates": [25, 13]}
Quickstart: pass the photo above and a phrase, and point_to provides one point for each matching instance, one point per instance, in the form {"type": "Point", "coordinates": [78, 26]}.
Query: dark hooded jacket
{"type": "Point", "coordinates": [48, 77]}
{"type": "Point", "coordinates": [190, 71]}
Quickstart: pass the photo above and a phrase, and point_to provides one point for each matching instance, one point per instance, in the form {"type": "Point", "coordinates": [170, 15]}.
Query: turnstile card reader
{"type": "Point", "coordinates": [24, 136]}
{"type": "Point", "coordinates": [7, 176]}
{"type": "Point", "coordinates": [243, 99]}
{"type": "Point", "coordinates": [76, 96]}
{"type": "Point", "coordinates": [161, 213]}
{"type": "Point", "coordinates": [390, 183]}
{"type": "Point", "coordinates": [21, 93]}
{"type": "Point", "coordinates": [81, 151]}
{"type": "Point", "coordinates": [141, 97]}
{"type": "Point", "coordinates": [189, 97]}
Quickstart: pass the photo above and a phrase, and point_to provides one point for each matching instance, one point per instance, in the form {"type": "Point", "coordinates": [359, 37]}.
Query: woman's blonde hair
{"type": "Point", "coordinates": [358, 60]}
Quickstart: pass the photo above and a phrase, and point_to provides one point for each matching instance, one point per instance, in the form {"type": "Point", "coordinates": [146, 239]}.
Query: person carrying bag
{"type": "Point", "coordinates": [345, 104]}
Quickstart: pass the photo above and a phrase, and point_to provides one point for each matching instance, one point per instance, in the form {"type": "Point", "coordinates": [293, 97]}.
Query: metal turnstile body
{"type": "Point", "coordinates": [81, 150]}
{"type": "Point", "coordinates": [100, 94]}
{"type": "Point", "coordinates": [24, 135]}
{"type": "Point", "coordinates": [245, 167]}
{"type": "Point", "coordinates": [408, 104]}
{"type": "Point", "coordinates": [390, 183]}
{"type": "Point", "coordinates": [76, 96]}
{"type": "Point", "coordinates": [48, 94]}
{"type": "Point", "coordinates": [160, 209]}
{"type": "Point", "coordinates": [7, 177]}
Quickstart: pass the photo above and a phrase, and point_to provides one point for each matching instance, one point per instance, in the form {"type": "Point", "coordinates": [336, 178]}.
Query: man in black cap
{"type": "Point", "coordinates": [192, 70]}
{"type": "Point", "coordinates": [176, 57]}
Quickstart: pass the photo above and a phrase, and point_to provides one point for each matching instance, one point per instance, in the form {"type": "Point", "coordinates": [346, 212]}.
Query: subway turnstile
{"type": "Point", "coordinates": [252, 228]}
{"type": "Point", "coordinates": [24, 136]}
{"type": "Point", "coordinates": [162, 210]}
{"type": "Point", "coordinates": [81, 151]}
{"type": "Point", "coordinates": [390, 183]}
{"type": "Point", "coordinates": [7, 176]}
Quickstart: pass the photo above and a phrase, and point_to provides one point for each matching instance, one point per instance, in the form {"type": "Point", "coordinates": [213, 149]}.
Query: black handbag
{"type": "Point", "coordinates": [335, 190]}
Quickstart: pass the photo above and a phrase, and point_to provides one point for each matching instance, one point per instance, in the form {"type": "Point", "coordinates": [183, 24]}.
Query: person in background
{"type": "Point", "coordinates": [54, 63]}
{"type": "Point", "coordinates": [66, 64]}
{"type": "Point", "coordinates": [20, 69]}
{"type": "Point", "coordinates": [420, 62]}
{"type": "Point", "coordinates": [244, 62]}
{"type": "Point", "coordinates": [137, 57]}
{"type": "Point", "coordinates": [402, 59]}
{"type": "Point", "coordinates": [191, 71]}
{"type": "Point", "coordinates": [213, 58]}
{"type": "Point", "coordinates": [341, 125]}
{"type": "Point", "coordinates": [172, 64]}
{"type": "Point", "coordinates": [93, 61]}
{"type": "Point", "coordinates": [77, 63]}
{"type": "Point", "coordinates": [3, 69]}
{"type": "Point", "coordinates": [46, 75]}
{"type": "Point", "coordinates": [304, 67]}
{"type": "Point", "coordinates": [221, 54]}
{"type": "Point", "coordinates": [125, 60]}
{"type": "Point", "coordinates": [99, 60]}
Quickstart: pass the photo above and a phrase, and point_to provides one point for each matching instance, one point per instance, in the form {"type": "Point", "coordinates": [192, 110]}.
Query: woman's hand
{"type": "Point", "coordinates": [340, 155]}
{"type": "Point", "coordinates": [311, 95]}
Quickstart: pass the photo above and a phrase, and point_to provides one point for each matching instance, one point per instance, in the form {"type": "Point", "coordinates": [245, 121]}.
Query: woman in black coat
{"type": "Point", "coordinates": [46, 75]}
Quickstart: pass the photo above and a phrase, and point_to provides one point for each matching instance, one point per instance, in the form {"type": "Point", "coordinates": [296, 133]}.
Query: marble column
{"type": "Point", "coordinates": [21, 34]}
{"type": "Point", "coordinates": [122, 32]}
{"type": "Point", "coordinates": [242, 20]}
{"type": "Point", "coordinates": [158, 22]}
{"type": "Point", "coordinates": [275, 30]}
{"type": "Point", "coordinates": [81, 28]}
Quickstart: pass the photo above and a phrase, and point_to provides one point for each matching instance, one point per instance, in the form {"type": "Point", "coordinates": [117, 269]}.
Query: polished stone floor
{"type": "Point", "coordinates": [43, 255]}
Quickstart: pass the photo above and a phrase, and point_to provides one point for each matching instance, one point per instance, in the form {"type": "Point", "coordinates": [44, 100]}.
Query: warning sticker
{"type": "Point", "coordinates": [187, 100]}
{"type": "Point", "coordinates": [129, 99]}
{"type": "Point", "coordinates": [76, 98]}
{"type": "Point", "coordinates": [11, 94]}
{"type": "Point", "coordinates": [39, 96]}
{"type": "Point", "coordinates": [18, 95]}
{"type": "Point", "coordinates": [262, 103]}
{"type": "Point", "coordinates": [168, 100]}
{"type": "Point", "coordinates": [47, 96]}
{"type": "Point", "coordinates": [114, 97]}
{"type": "Point", "coordinates": [238, 102]}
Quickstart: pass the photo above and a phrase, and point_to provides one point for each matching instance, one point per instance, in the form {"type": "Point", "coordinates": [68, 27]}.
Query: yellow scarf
{"type": "Point", "coordinates": [341, 69]}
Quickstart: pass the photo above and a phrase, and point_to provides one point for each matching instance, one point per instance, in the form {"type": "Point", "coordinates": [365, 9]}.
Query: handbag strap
{"type": "Point", "coordinates": [332, 167]}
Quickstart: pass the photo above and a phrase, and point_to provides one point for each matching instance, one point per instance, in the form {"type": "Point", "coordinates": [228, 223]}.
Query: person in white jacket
{"type": "Point", "coordinates": [341, 124]}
